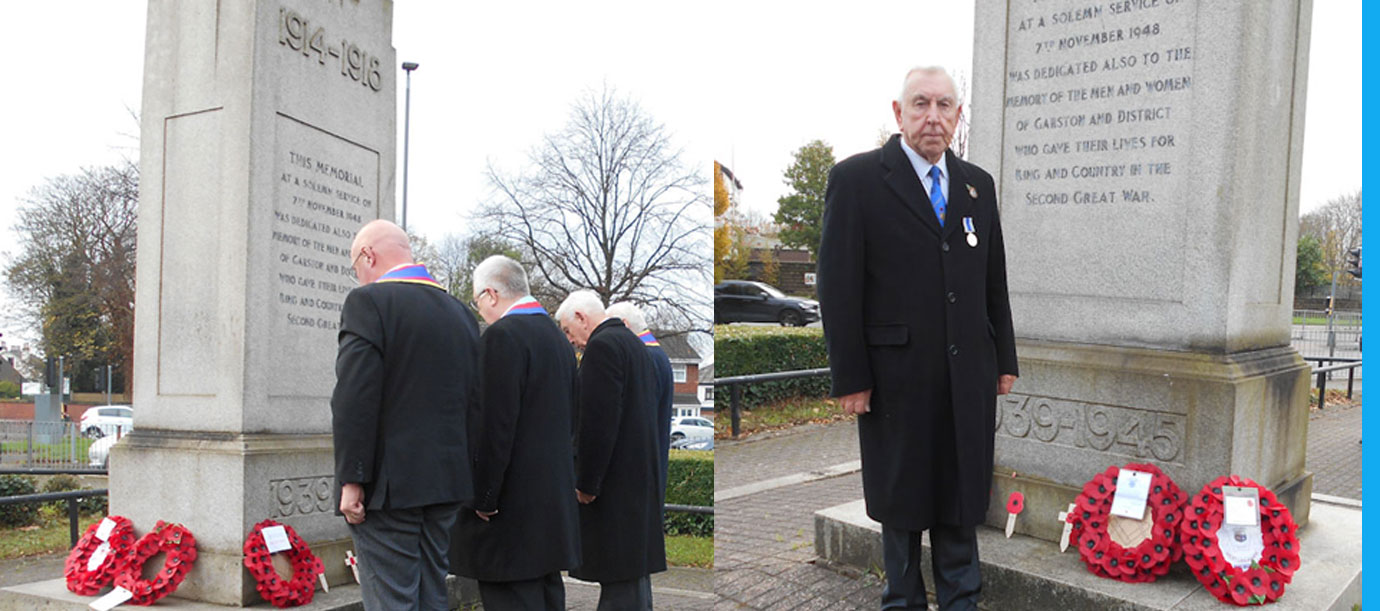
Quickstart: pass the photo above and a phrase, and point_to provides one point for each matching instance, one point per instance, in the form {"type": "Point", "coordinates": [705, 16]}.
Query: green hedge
{"type": "Point", "coordinates": [89, 505]}
{"type": "Point", "coordinates": [19, 514]}
{"type": "Point", "coordinates": [690, 481]}
{"type": "Point", "coordinates": [742, 350]}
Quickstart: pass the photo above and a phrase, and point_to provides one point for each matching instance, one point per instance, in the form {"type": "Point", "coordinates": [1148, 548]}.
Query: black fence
{"type": "Point", "coordinates": [1350, 365]}
{"type": "Point", "coordinates": [71, 496]}
{"type": "Point", "coordinates": [736, 384]}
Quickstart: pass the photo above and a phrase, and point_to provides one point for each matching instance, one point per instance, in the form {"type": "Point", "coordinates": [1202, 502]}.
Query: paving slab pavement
{"type": "Point", "coordinates": [1334, 451]}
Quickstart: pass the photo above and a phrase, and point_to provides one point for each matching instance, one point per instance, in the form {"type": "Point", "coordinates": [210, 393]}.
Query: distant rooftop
{"type": "Point", "coordinates": [677, 347]}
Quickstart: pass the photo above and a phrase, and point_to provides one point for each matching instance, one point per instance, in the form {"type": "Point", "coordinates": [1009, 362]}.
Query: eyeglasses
{"type": "Point", "coordinates": [354, 269]}
{"type": "Point", "coordinates": [474, 303]}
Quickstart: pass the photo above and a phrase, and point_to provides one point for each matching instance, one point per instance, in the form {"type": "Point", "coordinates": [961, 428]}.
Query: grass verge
{"type": "Point", "coordinates": [49, 535]}
{"type": "Point", "coordinates": [685, 550]}
{"type": "Point", "coordinates": [780, 415]}
{"type": "Point", "coordinates": [60, 449]}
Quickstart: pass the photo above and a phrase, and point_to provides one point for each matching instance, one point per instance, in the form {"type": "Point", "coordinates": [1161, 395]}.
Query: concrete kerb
{"type": "Point", "coordinates": [787, 480]}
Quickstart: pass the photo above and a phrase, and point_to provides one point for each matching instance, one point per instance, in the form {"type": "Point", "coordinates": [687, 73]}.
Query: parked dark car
{"type": "Point", "coordinates": [748, 301]}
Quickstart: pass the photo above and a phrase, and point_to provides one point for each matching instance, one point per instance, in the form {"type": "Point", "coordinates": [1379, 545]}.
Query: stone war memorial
{"type": "Point", "coordinates": [1147, 155]}
{"type": "Point", "coordinates": [267, 140]}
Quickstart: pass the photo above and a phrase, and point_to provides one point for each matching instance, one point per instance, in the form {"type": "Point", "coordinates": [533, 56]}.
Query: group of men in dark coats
{"type": "Point", "coordinates": [464, 450]}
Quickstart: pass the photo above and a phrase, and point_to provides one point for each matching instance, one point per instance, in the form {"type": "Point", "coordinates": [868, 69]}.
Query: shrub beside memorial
{"type": "Point", "coordinates": [690, 481]}
{"type": "Point", "coordinates": [742, 350]}
{"type": "Point", "coordinates": [21, 514]}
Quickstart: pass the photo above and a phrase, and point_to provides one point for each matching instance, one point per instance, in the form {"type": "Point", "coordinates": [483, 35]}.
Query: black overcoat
{"type": "Point", "coordinates": [616, 460]}
{"type": "Point", "coordinates": [914, 313]}
{"type": "Point", "coordinates": [520, 440]}
{"type": "Point", "coordinates": [665, 397]}
{"type": "Point", "coordinates": [406, 372]}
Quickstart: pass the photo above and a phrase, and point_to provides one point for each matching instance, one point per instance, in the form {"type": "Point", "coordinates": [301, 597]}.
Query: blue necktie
{"type": "Point", "coordinates": [937, 194]}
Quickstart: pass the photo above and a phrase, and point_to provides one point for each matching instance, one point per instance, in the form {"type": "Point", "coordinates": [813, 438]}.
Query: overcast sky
{"type": "Point", "coordinates": [745, 82]}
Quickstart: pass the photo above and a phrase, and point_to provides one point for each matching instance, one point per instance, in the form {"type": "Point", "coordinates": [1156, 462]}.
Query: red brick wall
{"type": "Point", "coordinates": [16, 411]}
{"type": "Point", "coordinates": [25, 411]}
{"type": "Point", "coordinates": [692, 379]}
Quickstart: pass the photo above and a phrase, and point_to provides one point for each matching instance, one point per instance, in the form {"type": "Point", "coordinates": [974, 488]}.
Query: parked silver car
{"type": "Point", "coordinates": [98, 455]}
{"type": "Point", "coordinates": [691, 427]}
{"type": "Point", "coordinates": [104, 420]}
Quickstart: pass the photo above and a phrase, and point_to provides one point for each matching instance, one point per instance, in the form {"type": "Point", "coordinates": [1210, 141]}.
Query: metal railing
{"type": "Point", "coordinates": [1316, 333]}
{"type": "Point", "coordinates": [71, 496]}
{"type": "Point", "coordinates": [736, 384]}
{"type": "Point", "coordinates": [52, 445]}
{"type": "Point", "coordinates": [1323, 372]}
{"type": "Point", "coordinates": [690, 509]}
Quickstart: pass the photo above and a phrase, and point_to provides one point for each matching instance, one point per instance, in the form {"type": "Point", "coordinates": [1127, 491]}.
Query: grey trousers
{"type": "Point", "coordinates": [630, 595]}
{"type": "Point", "coordinates": [953, 550]}
{"type": "Point", "coordinates": [545, 593]}
{"type": "Point", "coordinates": [402, 557]}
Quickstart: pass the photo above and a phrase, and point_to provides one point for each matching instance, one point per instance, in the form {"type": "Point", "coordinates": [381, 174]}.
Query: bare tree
{"type": "Point", "coordinates": [74, 273]}
{"type": "Point", "coordinates": [607, 204]}
{"type": "Point", "coordinates": [1337, 228]}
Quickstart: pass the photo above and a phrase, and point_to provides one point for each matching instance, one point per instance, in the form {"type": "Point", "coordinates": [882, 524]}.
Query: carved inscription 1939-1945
{"type": "Point", "coordinates": [1130, 432]}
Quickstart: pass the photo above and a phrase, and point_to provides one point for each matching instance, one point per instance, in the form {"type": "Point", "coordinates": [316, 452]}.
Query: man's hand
{"type": "Point", "coordinates": [485, 515]}
{"type": "Point", "coordinates": [352, 503]}
{"type": "Point", "coordinates": [1004, 384]}
{"type": "Point", "coordinates": [857, 403]}
{"type": "Point", "coordinates": [584, 499]}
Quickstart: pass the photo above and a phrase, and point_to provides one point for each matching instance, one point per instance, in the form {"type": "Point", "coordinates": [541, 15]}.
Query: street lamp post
{"type": "Point", "coordinates": [407, 133]}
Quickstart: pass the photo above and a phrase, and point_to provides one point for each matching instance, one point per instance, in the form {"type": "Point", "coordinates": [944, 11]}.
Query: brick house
{"type": "Point", "coordinates": [685, 364]}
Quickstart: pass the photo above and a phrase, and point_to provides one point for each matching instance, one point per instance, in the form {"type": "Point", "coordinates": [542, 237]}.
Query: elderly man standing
{"type": "Point", "coordinates": [617, 471]}
{"type": "Point", "coordinates": [524, 529]}
{"type": "Point", "coordinates": [632, 317]}
{"type": "Point", "coordinates": [912, 286]}
{"type": "Point", "coordinates": [406, 372]}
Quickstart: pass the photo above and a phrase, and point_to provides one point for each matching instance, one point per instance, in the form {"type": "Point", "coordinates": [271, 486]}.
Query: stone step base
{"type": "Point", "coordinates": [1028, 573]}
{"type": "Point", "coordinates": [52, 595]}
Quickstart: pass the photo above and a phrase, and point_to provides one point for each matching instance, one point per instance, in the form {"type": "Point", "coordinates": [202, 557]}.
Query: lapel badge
{"type": "Point", "coordinates": [972, 192]}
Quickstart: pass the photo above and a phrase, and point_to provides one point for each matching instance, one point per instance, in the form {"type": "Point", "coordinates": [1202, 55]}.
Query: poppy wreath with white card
{"type": "Point", "coordinates": [1122, 548]}
{"type": "Point", "coordinates": [1261, 581]}
{"type": "Point", "coordinates": [99, 555]}
{"type": "Point", "coordinates": [180, 548]}
{"type": "Point", "coordinates": [305, 567]}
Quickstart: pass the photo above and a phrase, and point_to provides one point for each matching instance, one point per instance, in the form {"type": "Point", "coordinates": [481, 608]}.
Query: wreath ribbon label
{"type": "Point", "coordinates": [1241, 545]}
{"type": "Point", "coordinates": [112, 600]}
{"type": "Point", "coordinates": [98, 557]}
{"type": "Point", "coordinates": [276, 539]}
{"type": "Point", "coordinates": [1132, 489]}
{"type": "Point", "coordinates": [107, 526]}
{"type": "Point", "coordinates": [1241, 506]}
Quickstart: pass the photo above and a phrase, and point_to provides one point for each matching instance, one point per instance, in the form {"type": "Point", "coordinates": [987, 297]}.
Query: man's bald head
{"type": "Point", "coordinates": [379, 246]}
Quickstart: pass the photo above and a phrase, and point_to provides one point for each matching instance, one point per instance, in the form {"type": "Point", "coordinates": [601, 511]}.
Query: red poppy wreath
{"type": "Point", "coordinates": [305, 567]}
{"type": "Point", "coordinates": [180, 546]}
{"type": "Point", "coordinates": [1144, 561]}
{"type": "Point", "coordinates": [99, 555]}
{"type": "Point", "coordinates": [1264, 580]}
